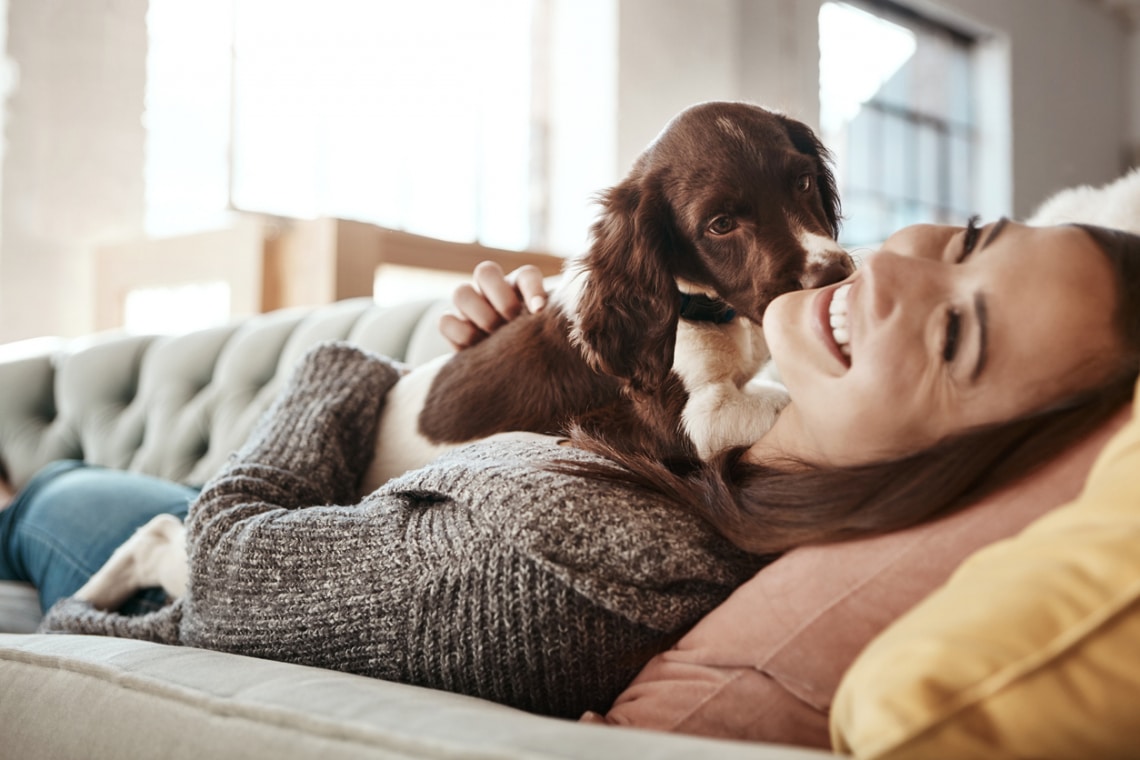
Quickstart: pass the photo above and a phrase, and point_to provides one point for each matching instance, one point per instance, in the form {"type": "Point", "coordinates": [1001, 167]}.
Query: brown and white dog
{"type": "Point", "coordinates": [653, 339]}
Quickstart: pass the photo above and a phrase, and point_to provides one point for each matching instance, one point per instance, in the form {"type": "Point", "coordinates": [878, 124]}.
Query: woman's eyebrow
{"type": "Point", "coordinates": [983, 325]}
{"type": "Point", "coordinates": [994, 231]}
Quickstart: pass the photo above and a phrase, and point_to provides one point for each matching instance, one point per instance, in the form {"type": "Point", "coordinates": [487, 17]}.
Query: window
{"type": "Point", "coordinates": [896, 108]}
{"type": "Point", "coordinates": [413, 115]}
{"type": "Point", "coordinates": [433, 116]}
{"type": "Point", "coordinates": [490, 122]}
{"type": "Point", "coordinates": [187, 115]}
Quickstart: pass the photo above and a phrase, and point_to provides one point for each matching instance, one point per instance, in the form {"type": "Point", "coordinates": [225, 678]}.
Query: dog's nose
{"type": "Point", "coordinates": [836, 268]}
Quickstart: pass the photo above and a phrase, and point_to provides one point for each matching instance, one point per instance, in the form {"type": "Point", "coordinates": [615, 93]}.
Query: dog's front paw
{"type": "Point", "coordinates": [721, 416]}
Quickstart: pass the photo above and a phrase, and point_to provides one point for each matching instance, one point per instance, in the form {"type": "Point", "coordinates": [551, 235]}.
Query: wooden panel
{"type": "Point", "coordinates": [364, 245]}
{"type": "Point", "coordinates": [300, 263]}
{"type": "Point", "coordinates": [272, 263]}
{"type": "Point", "coordinates": [233, 255]}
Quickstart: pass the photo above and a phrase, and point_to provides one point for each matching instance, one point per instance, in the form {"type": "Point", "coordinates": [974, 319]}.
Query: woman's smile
{"type": "Point", "coordinates": [832, 323]}
{"type": "Point", "coordinates": [840, 325]}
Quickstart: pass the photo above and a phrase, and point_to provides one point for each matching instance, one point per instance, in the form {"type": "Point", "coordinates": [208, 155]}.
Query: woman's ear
{"type": "Point", "coordinates": [806, 142]}
{"type": "Point", "coordinates": [627, 311]}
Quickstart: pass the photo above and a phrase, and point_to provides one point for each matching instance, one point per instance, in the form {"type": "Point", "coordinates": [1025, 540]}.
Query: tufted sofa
{"type": "Point", "coordinates": [175, 407]}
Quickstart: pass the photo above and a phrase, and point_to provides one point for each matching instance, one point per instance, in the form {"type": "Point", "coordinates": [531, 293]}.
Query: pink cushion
{"type": "Point", "coordinates": [765, 664]}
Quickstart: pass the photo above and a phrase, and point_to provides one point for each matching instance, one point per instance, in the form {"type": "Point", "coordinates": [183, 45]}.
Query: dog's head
{"type": "Point", "coordinates": [732, 201]}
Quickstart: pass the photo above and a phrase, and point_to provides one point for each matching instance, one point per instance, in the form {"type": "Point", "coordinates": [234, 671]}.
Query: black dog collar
{"type": "Point", "coordinates": [698, 307]}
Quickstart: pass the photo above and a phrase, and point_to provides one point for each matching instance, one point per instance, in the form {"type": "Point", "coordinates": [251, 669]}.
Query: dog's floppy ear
{"type": "Point", "coordinates": [627, 312]}
{"type": "Point", "coordinates": [808, 143]}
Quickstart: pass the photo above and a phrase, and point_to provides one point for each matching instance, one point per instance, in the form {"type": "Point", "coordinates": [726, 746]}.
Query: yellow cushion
{"type": "Point", "coordinates": [1031, 649]}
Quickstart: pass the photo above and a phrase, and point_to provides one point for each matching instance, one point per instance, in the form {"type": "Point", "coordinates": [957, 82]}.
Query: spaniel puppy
{"type": "Point", "coordinates": [653, 340]}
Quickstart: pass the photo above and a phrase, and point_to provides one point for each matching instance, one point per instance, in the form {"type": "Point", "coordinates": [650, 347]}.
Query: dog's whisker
{"type": "Point", "coordinates": [859, 254]}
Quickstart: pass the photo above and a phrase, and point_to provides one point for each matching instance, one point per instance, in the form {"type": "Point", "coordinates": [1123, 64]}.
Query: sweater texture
{"type": "Point", "coordinates": [485, 573]}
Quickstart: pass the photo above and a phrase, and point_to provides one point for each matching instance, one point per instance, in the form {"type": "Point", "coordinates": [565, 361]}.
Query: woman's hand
{"type": "Point", "coordinates": [490, 301]}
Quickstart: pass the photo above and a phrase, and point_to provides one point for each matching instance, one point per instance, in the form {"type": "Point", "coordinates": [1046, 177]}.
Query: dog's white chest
{"type": "Point", "coordinates": [399, 445]}
{"type": "Point", "coordinates": [728, 405]}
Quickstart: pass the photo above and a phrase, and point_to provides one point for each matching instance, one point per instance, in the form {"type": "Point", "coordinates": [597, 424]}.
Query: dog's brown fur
{"type": "Point", "coordinates": [605, 362]}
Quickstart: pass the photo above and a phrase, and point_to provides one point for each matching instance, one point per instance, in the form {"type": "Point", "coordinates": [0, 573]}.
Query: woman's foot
{"type": "Point", "coordinates": [154, 556]}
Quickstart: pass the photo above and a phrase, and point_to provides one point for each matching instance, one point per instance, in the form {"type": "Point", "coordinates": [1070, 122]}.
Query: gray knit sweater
{"type": "Point", "coordinates": [485, 573]}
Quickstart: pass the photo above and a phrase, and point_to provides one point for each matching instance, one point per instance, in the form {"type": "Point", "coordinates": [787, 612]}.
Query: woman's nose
{"type": "Point", "coordinates": [892, 280]}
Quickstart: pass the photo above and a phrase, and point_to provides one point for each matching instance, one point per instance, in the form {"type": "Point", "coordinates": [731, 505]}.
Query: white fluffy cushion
{"type": "Point", "coordinates": [1116, 205]}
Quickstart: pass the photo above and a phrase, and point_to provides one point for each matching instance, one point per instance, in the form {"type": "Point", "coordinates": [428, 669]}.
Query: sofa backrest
{"type": "Point", "coordinates": [177, 406]}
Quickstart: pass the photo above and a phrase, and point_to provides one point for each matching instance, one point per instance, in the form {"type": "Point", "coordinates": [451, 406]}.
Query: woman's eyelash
{"type": "Point", "coordinates": [973, 229]}
{"type": "Point", "coordinates": [953, 331]}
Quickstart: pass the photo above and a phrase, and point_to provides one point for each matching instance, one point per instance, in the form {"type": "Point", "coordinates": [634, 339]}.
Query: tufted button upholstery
{"type": "Point", "coordinates": [177, 406]}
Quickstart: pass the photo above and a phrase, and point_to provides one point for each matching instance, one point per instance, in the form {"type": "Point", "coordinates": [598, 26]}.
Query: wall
{"type": "Point", "coordinates": [1133, 68]}
{"type": "Point", "coordinates": [1069, 82]}
{"type": "Point", "coordinates": [72, 173]}
{"type": "Point", "coordinates": [671, 54]}
{"type": "Point", "coordinates": [674, 53]}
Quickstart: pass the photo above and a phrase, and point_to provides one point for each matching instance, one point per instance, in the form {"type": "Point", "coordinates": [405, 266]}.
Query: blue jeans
{"type": "Point", "coordinates": [69, 518]}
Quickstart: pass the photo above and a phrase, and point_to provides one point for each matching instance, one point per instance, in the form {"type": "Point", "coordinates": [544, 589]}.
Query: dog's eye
{"type": "Point", "coordinates": [804, 183]}
{"type": "Point", "coordinates": [722, 225]}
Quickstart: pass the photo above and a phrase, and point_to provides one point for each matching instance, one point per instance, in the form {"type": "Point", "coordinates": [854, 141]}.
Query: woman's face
{"type": "Point", "coordinates": [944, 328]}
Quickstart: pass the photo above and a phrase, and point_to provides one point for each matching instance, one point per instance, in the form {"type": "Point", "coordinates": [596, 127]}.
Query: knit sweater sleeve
{"type": "Point", "coordinates": [268, 545]}
{"type": "Point", "coordinates": [311, 448]}
{"type": "Point", "coordinates": [71, 615]}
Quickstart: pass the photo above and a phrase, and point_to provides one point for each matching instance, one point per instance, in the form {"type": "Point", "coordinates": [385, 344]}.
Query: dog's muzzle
{"type": "Point", "coordinates": [836, 269]}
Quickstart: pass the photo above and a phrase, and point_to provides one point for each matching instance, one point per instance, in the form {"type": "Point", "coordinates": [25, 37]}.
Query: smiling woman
{"type": "Point", "coordinates": [973, 334]}
{"type": "Point", "coordinates": [961, 358]}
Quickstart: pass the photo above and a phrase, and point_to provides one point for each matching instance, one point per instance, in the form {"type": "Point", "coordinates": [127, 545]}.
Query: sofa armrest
{"type": "Point", "coordinates": [19, 608]}
{"type": "Point", "coordinates": [130, 699]}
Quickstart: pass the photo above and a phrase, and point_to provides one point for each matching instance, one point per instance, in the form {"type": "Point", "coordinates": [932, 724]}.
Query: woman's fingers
{"type": "Point", "coordinates": [474, 306]}
{"type": "Point", "coordinates": [459, 332]}
{"type": "Point", "coordinates": [530, 285]}
{"type": "Point", "coordinates": [473, 318]}
{"type": "Point", "coordinates": [499, 293]}
{"type": "Point", "coordinates": [490, 301]}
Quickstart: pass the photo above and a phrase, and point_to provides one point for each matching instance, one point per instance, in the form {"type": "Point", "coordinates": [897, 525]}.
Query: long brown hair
{"type": "Point", "coordinates": [772, 507]}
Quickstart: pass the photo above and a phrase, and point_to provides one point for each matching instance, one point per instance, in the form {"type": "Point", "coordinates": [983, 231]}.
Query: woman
{"type": "Point", "coordinates": [949, 363]}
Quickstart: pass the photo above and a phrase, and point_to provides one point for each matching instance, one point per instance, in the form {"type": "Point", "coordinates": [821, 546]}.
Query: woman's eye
{"type": "Point", "coordinates": [953, 331]}
{"type": "Point", "coordinates": [804, 183]}
{"type": "Point", "coordinates": [722, 225]}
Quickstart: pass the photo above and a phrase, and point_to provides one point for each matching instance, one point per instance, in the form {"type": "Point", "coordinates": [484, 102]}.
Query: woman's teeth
{"type": "Point", "coordinates": [839, 329]}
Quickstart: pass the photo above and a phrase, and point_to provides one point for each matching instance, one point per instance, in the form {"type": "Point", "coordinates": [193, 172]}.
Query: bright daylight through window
{"type": "Point", "coordinates": [416, 116]}
{"type": "Point", "coordinates": [896, 108]}
{"type": "Point", "coordinates": [430, 116]}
